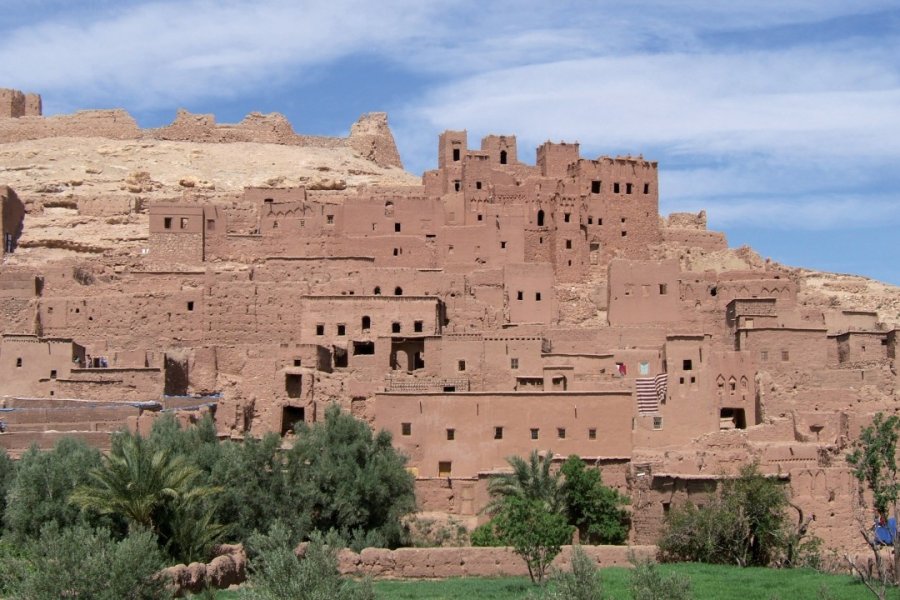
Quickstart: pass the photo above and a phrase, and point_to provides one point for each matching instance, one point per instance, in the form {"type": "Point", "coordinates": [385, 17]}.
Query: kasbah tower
{"type": "Point", "coordinates": [488, 309]}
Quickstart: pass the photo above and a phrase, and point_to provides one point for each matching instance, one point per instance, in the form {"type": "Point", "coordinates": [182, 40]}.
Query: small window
{"type": "Point", "coordinates": [451, 435]}
{"type": "Point", "coordinates": [363, 348]}
{"type": "Point", "coordinates": [503, 157]}
{"type": "Point", "coordinates": [303, 223]}
{"type": "Point", "coordinates": [477, 185]}
{"type": "Point", "coordinates": [377, 291]}
{"type": "Point", "coordinates": [52, 373]}
{"type": "Point", "coordinates": [329, 219]}
{"type": "Point", "coordinates": [561, 433]}
{"type": "Point", "coordinates": [396, 251]}
{"type": "Point", "coordinates": [513, 363]}
{"type": "Point", "coordinates": [481, 217]}
{"type": "Point", "coordinates": [785, 355]}
{"type": "Point", "coordinates": [624, 233]}
{"type": "Point", "coordinates": [366, 323]}
{"type": "Point", "coordinates": [297, 362]}
{"type": "Point", "coordinates": [520, 295]}
{"type": "Point", "coordinates": [764, 355]}
{"type": "Point", "coordinates": [167, 222]}
{"type": "Point", "coordinates": [615, 188]}
{"type": "Point", "coordinates": [293, 385]}
{"type": "Point", "coordinates": [190, 305]}
{"type": "Point", "coordinates": [623, 219]}
{"type": "Point", "coordinates": [456, 185]}
{"type": "Point", "coordinates": [595, 186]}
{"type": "Point", "coordinates": [418, 326]}
{"type": "Point", "coordinates": [657, 423]}
{"type": "Point", "coordinates": [445, 468]}
{"type": "Point", "coordinates": [405, 428]}
{"type": "Point", "coordinates": [395, 327]}
{"type": "Point", "coordinates": [590, 220]}
{"type": "Point", "coordinates": [320, 328]}
{"type": "Point", "coordinates": [567, 217]}
{"type": "Point", "coordinates": [503, 245]}
{"type": "Point", "coordinates": [568, 244]}
{"type": "Point", "coordinates": [184, 222]}
{"type": "Point", "coordinates": [398, 291]}
{"type": "Point", "coordinates": [646, 188]}
{"type": "Point", "coordinates": [498, 433]}
{"type": "Point", "coordinates": [687, 364]}
{"type": "Point", "coordinates": [599, 221]}
{"type": "Point", "coordinates": [397, 227]}
{"type": "Point", "coordinates": [663, 289]}
{"type": "Point", "coordinates": [455, 154]}
{"type": "Point", "coordinates": [210, 225]}
{"type": "Point", "coordinates": [540, 218]}
{"type": "Point", "coordinates": [628, 188]}
{"type": "Point", "coordinates": [644, 367]}
{"type": "Point", "coordinates": [537, 296]}
{"type": "Point", "coordinates": [535, 433]}
{"type": "Point", "coordinates": [461, 365]}
{"type": "Point", "coordinates": [341, 329]}
{"type": "Point", "coordinates": [592, 433]}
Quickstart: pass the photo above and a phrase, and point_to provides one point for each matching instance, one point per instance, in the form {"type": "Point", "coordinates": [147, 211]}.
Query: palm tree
{"type": "Point", "coordinates": [529, 480]}
{"type": "Point", "coordinates": [139, 484]}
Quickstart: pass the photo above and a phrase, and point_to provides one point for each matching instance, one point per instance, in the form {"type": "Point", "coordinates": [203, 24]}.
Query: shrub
{"type": "Point", "coordinates": [595, 509]}
{"type": "Point", "coordinates": [535, 532]}
{"type": "Point", "coordinates": [484, 536]}
{"type": "Point", "coordinates": [647, 582]}
{"type": "Point", "coordinates": [80, 562]}
{"type": "Point", "coordinates": [277, 573]}
{"type": "Point", "coordinates": [583, 582]}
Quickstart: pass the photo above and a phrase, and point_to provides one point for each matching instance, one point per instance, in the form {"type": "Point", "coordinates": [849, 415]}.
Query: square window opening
{"type": "Point", "coordinates": [461, 365]}
{"type": "Point", "coordinates": [498, 433]}
{"type": "Point", "coordinates": [320, 329]}
{"type": "Point", "coordinates": [595, 187]}
{"type": "Point", "coordinates": [513, 363]}
{"type": "Point", "coordinates": [293, 385]}
{"type": "Point", "coordinates": [535, 433]}
{"type": "Point", "coordinates": [397, 227]}
{"type": "Point", "coordinates": [190, 305]}
{"type": "Point", "coordinates": [451, 435]}
{"type": "Point", "coordinates": [167, 222]}
{"type": "Point", "coordinates": [537, 296]}
{"type": "Point", "coordinates": [657, 423]}
{"type": "Point", "coordinates": [341, 329]}
{"type": "Point", "coordinates": [687, 364]}
{"type": "Point", "coordinates": [592, 434]}
{"type": "Point", "coordinates": [405, 428]}
{"type": "Point", "coordinates": [567, 217]}
{"type": "Point", "coordinates": [52, 373]}
{"type": "Point", "coordinates": [445, 468]}
{"type": "Point", "coordinates": [561, 433]}
{"type": "Point", "coordinates": [615, 188]}
{"type": "Point", "coordinates": [184, 222]}
{"type": "Point", "coordinates": [395, 327]}
{"type": "Point", "coordinates": [418, 326]}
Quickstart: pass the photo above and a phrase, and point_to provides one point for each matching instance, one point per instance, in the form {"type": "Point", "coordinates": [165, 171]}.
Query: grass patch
{"type": "Point", "coordinates": [708, 581]}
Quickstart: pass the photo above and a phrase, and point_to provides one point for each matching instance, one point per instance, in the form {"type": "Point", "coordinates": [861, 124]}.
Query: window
{"type": "Point", "coordinates": [455, 154]}
{"type": "Point", "coordinates": [567, 217]}
{"type": "Point", "coordinates": [657, 423]}
{"type": "Point", "coordinates": [395, 327]}
{"type": "Point", "coordinates": [363, 348]}
{"type": "Point", "coordinates": [444, 468]}
{"type": "Point", "coordinates": [764, 355]}
{"type": "Point", "coordinates": [513, 363]}
{"type": "Point", "coordinates": [398, 291]}
{"type": "Point", "coordinates": [210, 225]}
{"type": "Point", "coordinates": [456, 185]}
{"type": "Point", "coordinates": [535, 433]}
{"type": "Point", "coordinates": [599, 221]}
{"type": "Point", "coordinates": [329, 219]}
{"type": "Point", "coordinates": [418, 326]}
{"type": "Point", "coordinates": [481, 217]}
{"type": "Point", "coordinates": [377, 291]}
{"type": "Point", "coordinates": [184, 222]}
{"type": "Point", "coordinates": [644, 367]}
{"type": "Point", "coordinates": [503, 245]}
{"type": "Point", "coordinates": [406, 428]}
{"type": "Point", "coordinates": [785, 355]}
{"type": "Point", "coordinates": [687, 364]}
{"type": "Point", "coordinates": [628, 188]}
{"type": "Point", "coordinates": [663, 289]}
{"type": "Point", "coordinates": [451, 435]}
{"type": "Point", "coordinates": [592, 434]}
{"type": "Point", "coordinates": [297, 362]}
{"type": "Point", "coordinates": [293, 385]}
{"type": "Point", "coordinates": [623, 219]}
{"type": "Point", "coordinates": [341, 329]}
{"type": "Point", "coordinates": [561, 433]}
{"type": "Point", "coordinates": [19, 362]}
{"type": "Point", "coordinates": [477, 185]}
{"type": "Point", "coordinates": [320, 328]}
{"type": "Point", "coordinates": [537, 296]}
{"type": "Point", "coordinates": [340, 357]}
{"type": "Point", "coordinates": [646, 188]}
{"type": "Point", "coordinates": [590, 220]}
{"type": "Point", "coordinates": [616, 188]}
{"type": "Point", "coordinates": [520, 295]}
{"type": "Point", "coordinates": [366, 323]}
{"type": "Point", "coordinates": [52, 373]}
{"type": "Point", "coordinates": [624, 233]}
{"type": "Point", "coordinates": [167, 222]}
{"type": "Point", "coordinates": [595, 186]}
{"type": "Point", "coordinates": [503, 157]}
{"type": "Point", "coordinates": [540, 218]}
{"type": "Point", "coordinates": [396, 251]}
{"type": "Point", "coordinates": [397, 227]}
{"type": "Point", "coordinates": [190, 305]}
{"type": "Point", "coordinates": [461, 365]}
{"type": "Point", "coordinates": [568, 244]}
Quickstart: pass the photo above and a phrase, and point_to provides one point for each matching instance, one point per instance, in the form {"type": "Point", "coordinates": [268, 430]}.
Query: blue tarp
{"type": "Point", "coordinates": [885, 534]}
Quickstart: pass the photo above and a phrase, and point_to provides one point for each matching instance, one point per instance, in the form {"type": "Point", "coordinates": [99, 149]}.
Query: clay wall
{"type": "Point", "coordinates": [643, 292]}
{"type": "Point", "coordinates": [530, 293]}
{"type": "Point", "coordinates": [553, 160]}
{"type": "Point", "coordinates": [861, 347]}
{"type": "Point", "coordinates": [781, 349]}
{"type": "Point", "coordinates": [109, 205]}
{"type": "Point", "coordinates": [12, 103]}
{"type": "Point", "coordinates": [177, 234]}
{"type": "Point", "coordinates": [28, 363]}
{"type": "Point", "coordinates": [112, 124]}
{"type": "Point", "coordinates": [844, 320]}
{"type": "Point", "coordinates": [590, 424]}
{"type": "Point", "coordinates": [691, 238]}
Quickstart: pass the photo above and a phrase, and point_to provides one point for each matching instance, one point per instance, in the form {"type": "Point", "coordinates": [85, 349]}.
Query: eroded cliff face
{"type": "Point", "coordinates": [482, 310]}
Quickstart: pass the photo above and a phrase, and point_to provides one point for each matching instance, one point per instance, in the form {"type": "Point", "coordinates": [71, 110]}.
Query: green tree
{"type": "Point", "coordinates": [744, 524]}
{"type": "Point", "coordinates": [44, 481]}
{"type": "Point", "coordinates": [535, 533]}
{"type": "Point", "coordinates": [593, 508]}
{"type": "Point", "coordinates": [348, 479]}
{"type": "Point", "coordinates": [7, 477]}
{"type": "Point", "coordinates": [81, 562]}
{"type": "Point", "coordinates": [530, 480]}
{"type": "Point", "coordinates": [874, 462]}
{"type": "Point", "coordinates": [276, 572]}
{"type": "Point", "coordinates": [153, 491]}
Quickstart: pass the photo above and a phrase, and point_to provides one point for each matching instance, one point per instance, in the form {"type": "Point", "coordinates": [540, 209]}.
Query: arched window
{"type": "Point", "coordinates": [398, 291]}
{"type": "Point", "coordinates": [503, 157]}
{"type": "Point", "coordinates": [366, 323]}
{"type": "Point", "coordinates": [540, 220]}
{"type": "Point", "coordinates": [377, 291]}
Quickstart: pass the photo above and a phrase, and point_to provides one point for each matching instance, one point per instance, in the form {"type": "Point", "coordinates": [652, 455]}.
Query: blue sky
{"type": "Point", "coordinates": [780, 118]}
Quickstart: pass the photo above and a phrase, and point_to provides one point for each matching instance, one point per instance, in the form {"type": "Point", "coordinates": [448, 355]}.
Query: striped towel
{"type": "Point", "coordinates": [650, 392]}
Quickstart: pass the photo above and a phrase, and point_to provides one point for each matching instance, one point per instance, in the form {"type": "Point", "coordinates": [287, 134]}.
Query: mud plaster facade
{"type": "Point", "coordinates": [445, 313]}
